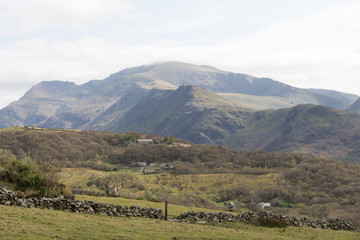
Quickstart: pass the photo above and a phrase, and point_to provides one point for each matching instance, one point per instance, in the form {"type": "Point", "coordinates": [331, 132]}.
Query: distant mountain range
{"type": "Point", "coordinates": [201, 104]}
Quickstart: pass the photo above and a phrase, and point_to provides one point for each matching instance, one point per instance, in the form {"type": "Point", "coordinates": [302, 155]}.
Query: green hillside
{"type": "Point", "coordinates": [258, 102]}
{"type": "Point", "coordinates": [200, 104]}
{"type": "Point", "coordinates": [202, 117]}
{"type": "Point", "coordinates": [304, 128]}
{"type": "Point", "coordinates": [189, 112]}
{"type": "Point", "coordinates": [190, 174]}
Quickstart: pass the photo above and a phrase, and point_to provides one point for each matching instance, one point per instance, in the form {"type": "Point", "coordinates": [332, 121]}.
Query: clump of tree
{"type": "Point", "coordinates": [109, 151]}
{"type": "Point", "coordinates": [29, 177]}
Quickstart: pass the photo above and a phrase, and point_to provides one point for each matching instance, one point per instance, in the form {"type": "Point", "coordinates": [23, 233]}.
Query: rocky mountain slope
{"type": "Point", "coordinates": [303, 128]}
{"type": "Point", "coordinates": [95, 103]}
{"type": "Point", "coordinates": [189, 112]}
{"type": "Point", "coordinates": [198, 103]}
{"type": "Point", "coordinates": [355, 106]}
{"type": "Point", "coordinates": [200, 116]}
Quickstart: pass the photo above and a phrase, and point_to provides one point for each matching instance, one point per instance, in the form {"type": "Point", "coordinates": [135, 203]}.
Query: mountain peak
{"type": "Point", "coordinates": [46, 89]}
{"type": "Point", "coordinates": [182, 66]}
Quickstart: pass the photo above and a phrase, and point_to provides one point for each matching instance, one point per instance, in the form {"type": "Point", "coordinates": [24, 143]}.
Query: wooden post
{"type": "Point", "coordinates": [166, 210]}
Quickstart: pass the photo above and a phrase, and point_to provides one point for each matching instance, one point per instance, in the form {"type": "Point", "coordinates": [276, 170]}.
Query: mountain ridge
{"type": "Point", "coordinates": [88, 101]}
{"type": "Point", "coordinates": [198, 103]}
{"type": "Point", "coordinates": [182, 112]}
{"type": "Point", "coordinates": [303, 128]}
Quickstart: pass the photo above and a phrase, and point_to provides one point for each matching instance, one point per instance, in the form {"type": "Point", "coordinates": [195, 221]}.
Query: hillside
{"type": "Point", "coordinates": [218, 107]}
{"type": "Point", "coordinates": [59, 104]}
{"type": "Point", "coordinates": [304, 128]}
{"type": "Point", "coordinates": [20, 223]}
{"type": "Point", "coordinates": [200, 175]}
{"type": "Point", "coordinates": [200, 116]}
{"type": "Point", "coordinates": [219, 81]}
{"type": "Point", "coordinates": [355, 106]}
{"type": "Point", "coordinates": [345, 97]}
{"type": "Point", "coordinates": [189, 112]}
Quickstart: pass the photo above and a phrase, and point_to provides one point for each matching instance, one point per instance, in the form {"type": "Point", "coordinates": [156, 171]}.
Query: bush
{"type": "Point", "coordinates": [271, 222]}
{"type": "Point", "coordinates": [139, 185]}
{"type": "Point", "coordinates": [27, 176]}
{"type": "Point", "coordinates": [23, 173]}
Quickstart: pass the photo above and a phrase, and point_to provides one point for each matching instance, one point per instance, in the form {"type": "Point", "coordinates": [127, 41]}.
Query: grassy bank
{"type": "Point", "coordinates": [20, 223]}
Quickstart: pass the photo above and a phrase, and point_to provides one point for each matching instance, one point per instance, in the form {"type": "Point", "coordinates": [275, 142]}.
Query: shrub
{"type": "Point", "coordinates": [267, 221]}
{"type": "Point", "coordinates": [27, 176]}
{"type": "Point", "coordinates": [139, 185]}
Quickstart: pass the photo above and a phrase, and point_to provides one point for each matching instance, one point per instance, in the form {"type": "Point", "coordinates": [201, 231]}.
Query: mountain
{"type": "Point", "coordinates": [345, 97]}
{"type": "Point", "coordinates": [98, 102]}
{"type": "Point", "coordinates": [303, 128]}
{"type": "Point", "coordinates": [201, 104]}
{"type": "Point", "coordinates": [218, 81]}
{"type": "Point", "coordinates": [200, 116]}
{"type": "Point", "coordinates": [355, 106]}
{"type": "Point", "coordinates": [189, 112]}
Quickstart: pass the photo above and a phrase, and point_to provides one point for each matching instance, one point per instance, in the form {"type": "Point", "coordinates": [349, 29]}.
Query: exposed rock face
{"type": "Point", "coordinates": [69, 204]}
{"type": "Point", "coordinates": [253, 217]}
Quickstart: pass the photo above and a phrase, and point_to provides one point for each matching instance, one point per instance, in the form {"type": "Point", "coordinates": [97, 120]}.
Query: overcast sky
{"type": "Point", "coordinates": [303, 43]}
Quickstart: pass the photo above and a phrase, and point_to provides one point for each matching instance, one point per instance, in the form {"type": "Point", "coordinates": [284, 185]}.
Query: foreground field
{"type": "Point", "coordinates": [20, 223]}
{"type": "Point", "coordinates": [213, 190]}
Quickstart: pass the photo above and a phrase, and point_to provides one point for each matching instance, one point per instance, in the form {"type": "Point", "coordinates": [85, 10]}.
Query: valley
{"type": "Point", "coordinates": [211, 137]}
{"type": "Point", "coordinates": [100, 164]}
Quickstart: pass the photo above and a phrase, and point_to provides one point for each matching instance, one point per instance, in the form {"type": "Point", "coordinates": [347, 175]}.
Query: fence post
{"type": "Point", "coordinates": [166, 210]}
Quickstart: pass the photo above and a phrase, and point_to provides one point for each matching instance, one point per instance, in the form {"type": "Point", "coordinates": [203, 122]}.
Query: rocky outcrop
{"type": "Point", "coordinates": [69, 204]}
{"type": "Point", "coordinates": [253, 217]}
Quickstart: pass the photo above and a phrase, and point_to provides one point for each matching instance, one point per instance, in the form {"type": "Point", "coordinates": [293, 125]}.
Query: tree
{"type": "Point", "coordinates": [169, 139]}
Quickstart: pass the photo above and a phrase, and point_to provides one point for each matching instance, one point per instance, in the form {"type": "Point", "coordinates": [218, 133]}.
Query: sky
{"type": "Point", "coordinates": [303, 43]}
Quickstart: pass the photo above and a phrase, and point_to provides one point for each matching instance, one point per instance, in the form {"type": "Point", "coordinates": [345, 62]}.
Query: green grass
{"type": "Point", "coordinates": [78, 177]}
{"type": "Point", "coordinates": [20, 223]}
{"type": "Point", "coordinates": [257, 102]}
{"type": "Point", "coordinates": [15, 129]}
{"type": "Point", "coordinates": [197, 190]}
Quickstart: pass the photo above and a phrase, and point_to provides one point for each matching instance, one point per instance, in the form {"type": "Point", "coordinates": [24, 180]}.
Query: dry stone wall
{"type": "Point", "coordinates": [69, 204]}
{"type": "Point", "coordinates": [253, 217]}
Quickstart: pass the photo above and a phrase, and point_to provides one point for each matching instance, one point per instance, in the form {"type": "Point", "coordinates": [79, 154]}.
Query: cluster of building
{"type": "Point", "coordinates": [151, 167]}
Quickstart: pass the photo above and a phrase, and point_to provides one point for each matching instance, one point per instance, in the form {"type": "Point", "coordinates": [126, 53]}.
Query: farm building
{"type": "Point", "coordinates": [144, 141]}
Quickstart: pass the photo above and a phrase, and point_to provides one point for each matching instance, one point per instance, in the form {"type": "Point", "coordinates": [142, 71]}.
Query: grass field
{"type": "Point", "coordinates": [78, 177]}
{"type": "Point", "coordinates": [20, 223]}
{"type": "Point", "coordinates": [196, 190]}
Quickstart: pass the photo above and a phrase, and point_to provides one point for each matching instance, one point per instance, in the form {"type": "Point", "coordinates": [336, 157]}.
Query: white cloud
{"type": "Point", "coordinates": [32, 15]}
{"type": "Point", "coordinates": [320, 50]}
{"type": "Point", "coordinates": [314, 52]}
